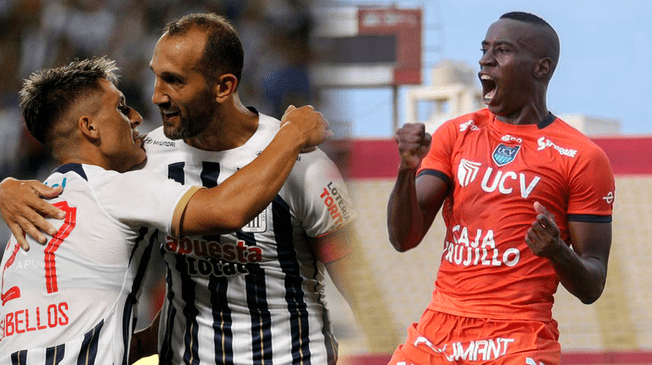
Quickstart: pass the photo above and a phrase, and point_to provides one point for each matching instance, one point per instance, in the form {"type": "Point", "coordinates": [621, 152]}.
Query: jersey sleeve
{"type": "Point", "coordinates": [592, 187]}
{"type": "Point", "coordinates": [335, 245]}
{"type": "Point", "coordinates": [321, 199]}
{"type": "Point", "coordinates": [441, 149]}
{"type": "Point", "coordinates": [142, 198]}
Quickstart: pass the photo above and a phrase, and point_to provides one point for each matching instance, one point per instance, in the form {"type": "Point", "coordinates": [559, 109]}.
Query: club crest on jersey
{"type": "Point", "coordinates": [505, 154]}
{"type": "Point", "coordinates": [258, 224]}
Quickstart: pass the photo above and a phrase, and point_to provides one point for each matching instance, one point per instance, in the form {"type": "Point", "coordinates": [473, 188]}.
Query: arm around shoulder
{"type": "Point", "coordinates": [24, 210]}
{"type": "Point", "coordinates": [234, 203]}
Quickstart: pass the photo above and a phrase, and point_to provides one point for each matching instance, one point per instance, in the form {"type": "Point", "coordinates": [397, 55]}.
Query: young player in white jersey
{"type": "Point", "coordinates": [73, 300]}
{"type": "Point", "coordinates": [75, 296]}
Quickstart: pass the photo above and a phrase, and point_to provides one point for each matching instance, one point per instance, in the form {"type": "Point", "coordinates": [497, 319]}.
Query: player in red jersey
{"type": "Point", "coordinates": [527, 201]}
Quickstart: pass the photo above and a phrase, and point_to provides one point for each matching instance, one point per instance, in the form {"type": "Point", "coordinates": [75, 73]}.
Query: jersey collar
{"type": "Point", "coordinates": [74, 167]}
{"type": "Point", "coordinates": [547, 120]}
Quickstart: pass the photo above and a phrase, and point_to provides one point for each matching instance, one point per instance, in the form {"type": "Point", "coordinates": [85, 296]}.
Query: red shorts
{"type": "Point", "coordinates": [441, 338]}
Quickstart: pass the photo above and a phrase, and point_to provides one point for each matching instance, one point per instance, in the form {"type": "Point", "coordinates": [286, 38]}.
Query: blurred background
{"type": "Point", "coordinates": [371, 66]}
{"type": "Point", "coordinates": [35, 34]}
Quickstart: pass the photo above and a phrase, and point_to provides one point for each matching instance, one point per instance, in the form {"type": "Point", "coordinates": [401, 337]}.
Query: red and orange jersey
{"type": "Point", "coordinates": [496, 171]}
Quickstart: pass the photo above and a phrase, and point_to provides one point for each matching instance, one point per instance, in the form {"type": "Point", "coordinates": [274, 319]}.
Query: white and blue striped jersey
{"type": "Point", "coordinates": [73, 300]}
{"type": "Point", "coordinates": [254, 296]}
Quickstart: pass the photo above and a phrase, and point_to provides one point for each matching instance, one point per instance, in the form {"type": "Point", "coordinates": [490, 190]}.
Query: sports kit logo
{"type": "Point", "coordinates": [609, 198]}
{"type": "Point", "coordinates": [471, 351]}
{"type": "Point", "coordinates": [505, 154]}
{"type": "Point", "coordinates": [468, 125]}
{"type": "Point", "coordinates": [467, 171]}
{"type": "Point", "coordinates": [510, 138]}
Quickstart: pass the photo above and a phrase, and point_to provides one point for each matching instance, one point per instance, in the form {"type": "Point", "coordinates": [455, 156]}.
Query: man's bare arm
{"type": "Point", "coordinates": [235, 202]}
{"type": "Point", "coordinates": [414, 202]}
{"type": "Point", "coordinates": [231, 205]}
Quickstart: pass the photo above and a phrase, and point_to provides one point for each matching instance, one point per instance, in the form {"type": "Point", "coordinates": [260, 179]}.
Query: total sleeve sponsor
{"type": "Point", "coordinates": [477, 248]}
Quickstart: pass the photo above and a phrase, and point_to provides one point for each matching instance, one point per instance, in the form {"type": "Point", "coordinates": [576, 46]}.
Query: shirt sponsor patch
{"type": "Point", "coordinates": [544, 142]}
{"type": "Point", "coordinates": [150, 140]}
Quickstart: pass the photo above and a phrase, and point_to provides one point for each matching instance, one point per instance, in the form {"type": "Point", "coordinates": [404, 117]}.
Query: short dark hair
{"type": "Point", "coordinates": [47, 94]}
{"type": "Point", "coordinates": [553, 49]}
{"type": "Point", "coordinates": [223, 52]}
{"type": "Point", "coordinates": [525, 17]}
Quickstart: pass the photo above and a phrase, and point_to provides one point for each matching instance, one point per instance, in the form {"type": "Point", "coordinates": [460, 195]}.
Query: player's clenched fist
{"type": "Point", "coordinates": [413, 144]}
{"type": "Point", "coordinates": [543, 236]}
{"type": "Point", "coordinates": [312, 123]}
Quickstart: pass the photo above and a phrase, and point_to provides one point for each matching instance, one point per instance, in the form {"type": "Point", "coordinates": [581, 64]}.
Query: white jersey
{"type": "Point", "coordinates": [254, 296]}
{"type": "Point", "coordinates": [72, 301]}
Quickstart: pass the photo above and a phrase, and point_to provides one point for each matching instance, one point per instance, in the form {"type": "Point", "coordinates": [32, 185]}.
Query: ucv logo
{"type": "Point", "coordinates": [505, 182]}
{"type": "Point", "coordinates": [504, 154]}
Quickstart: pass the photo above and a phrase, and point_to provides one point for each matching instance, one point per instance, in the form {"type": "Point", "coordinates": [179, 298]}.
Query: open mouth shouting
{"type": "Point", "coordinates": [489, 88]}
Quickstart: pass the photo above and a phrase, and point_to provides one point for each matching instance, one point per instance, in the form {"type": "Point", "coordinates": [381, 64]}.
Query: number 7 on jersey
{"type": "Point", "coordinates": [49, 256]}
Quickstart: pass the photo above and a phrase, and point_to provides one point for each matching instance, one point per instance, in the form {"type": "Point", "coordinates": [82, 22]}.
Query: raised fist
{"type": "Point", "coordinates": [413, 144]}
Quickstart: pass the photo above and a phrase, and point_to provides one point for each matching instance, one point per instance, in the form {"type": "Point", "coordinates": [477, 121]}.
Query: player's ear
{"type": "Point", "coordinates": [88, 127]}
{"type": "Point", "coordinates": [543, 68]}
{"type": "Point", "coordinates": [225, 87]}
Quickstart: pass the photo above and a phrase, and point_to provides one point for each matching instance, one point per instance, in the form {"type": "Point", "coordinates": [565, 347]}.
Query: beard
{"type": "Point", "coordinates": [194, 117]}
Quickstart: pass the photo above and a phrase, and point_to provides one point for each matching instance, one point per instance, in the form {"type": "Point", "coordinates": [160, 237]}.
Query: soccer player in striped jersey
{"type": "Point", "coordinates": [527, 201]}
{"type": "Point", "coordinates": [254, 295]}
{"type": "Point", "coordinates": [73, 300]}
